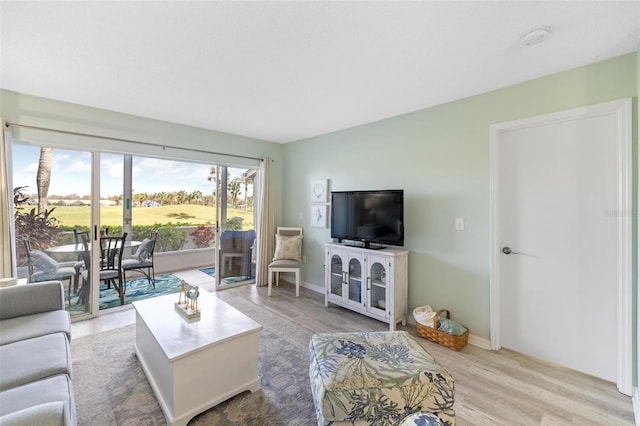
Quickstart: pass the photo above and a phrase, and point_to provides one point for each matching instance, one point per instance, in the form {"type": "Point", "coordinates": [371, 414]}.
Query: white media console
{"type": "Point", "coordinates": [367, 281]}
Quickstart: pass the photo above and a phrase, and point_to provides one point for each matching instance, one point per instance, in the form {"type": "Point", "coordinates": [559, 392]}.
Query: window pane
{"type": "Point", "coordinates": [111, 184]}
{"type": "Point", "coordinates": [176, 198]}
{"type": "Point", "coordinates": [52, 190]}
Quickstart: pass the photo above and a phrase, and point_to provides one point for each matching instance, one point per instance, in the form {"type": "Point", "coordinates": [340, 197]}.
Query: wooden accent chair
{"type": "Point", "coordinates": [287, 256]}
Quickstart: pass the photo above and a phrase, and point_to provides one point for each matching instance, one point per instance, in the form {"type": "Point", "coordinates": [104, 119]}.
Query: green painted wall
{"type": "Point", "coordinates": [440, 157]}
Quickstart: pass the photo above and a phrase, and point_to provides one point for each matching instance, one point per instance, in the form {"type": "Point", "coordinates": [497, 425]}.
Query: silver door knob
{"type": "Point", "coordinates": [507, 250]}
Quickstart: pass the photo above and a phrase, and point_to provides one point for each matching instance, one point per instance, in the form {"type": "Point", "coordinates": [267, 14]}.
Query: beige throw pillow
{"type": "Point", "coordinates": [288, 247]}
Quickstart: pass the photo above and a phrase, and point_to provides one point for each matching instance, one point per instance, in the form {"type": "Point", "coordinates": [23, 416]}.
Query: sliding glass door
{"type": "Point", "coordinates": [201, 216]}
{"type": "Point", "coordinates": [174, 199]}
{"type": "Point", "coordinates": [53, 201]}
{"type": "Point", "coordinates": [235, 218]}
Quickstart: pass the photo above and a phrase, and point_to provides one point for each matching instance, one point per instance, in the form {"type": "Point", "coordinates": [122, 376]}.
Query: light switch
{"type": "Point", "coordinates": [459, 223]}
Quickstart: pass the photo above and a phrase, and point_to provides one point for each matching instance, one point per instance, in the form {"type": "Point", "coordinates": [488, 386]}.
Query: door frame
{"type": "Point", "coordinates": [622, 110]}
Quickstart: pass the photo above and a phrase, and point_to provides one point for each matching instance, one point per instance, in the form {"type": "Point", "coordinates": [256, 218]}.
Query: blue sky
{"type": "Point", "coordinates": [71, 173]}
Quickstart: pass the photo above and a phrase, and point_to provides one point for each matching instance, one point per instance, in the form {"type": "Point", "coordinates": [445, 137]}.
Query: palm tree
{"type": "Point", "coordinates": [161, 198]}
{"type": "Point", "coordinates": [197, 196]}
{"type": "Point", "coordinates": [212, 178]}
{"type": "Point", "coordinates": [234, 190]}
{"type": "Point", "coordinates": [182, 196]}
{"type": "Point", "coordinates": [138, 199]}
{"type": "Point", "coordinates": [117, 199]}
{"type": "Point", "coordinates": [245, 180]}
{"type": "Point", "coordinates": [43, 177]}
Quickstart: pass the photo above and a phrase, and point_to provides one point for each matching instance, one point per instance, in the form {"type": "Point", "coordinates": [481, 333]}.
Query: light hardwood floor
{"type": "Point", "coordinates": [492, 387]}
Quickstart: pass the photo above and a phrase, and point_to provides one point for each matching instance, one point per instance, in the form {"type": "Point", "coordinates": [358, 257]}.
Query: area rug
{"type": "Point", "coordinates": [111, 388]}
{"type": "Point", "coordinates": [138, 289]}
{"type": "Point", "coordinates": [211, 271]}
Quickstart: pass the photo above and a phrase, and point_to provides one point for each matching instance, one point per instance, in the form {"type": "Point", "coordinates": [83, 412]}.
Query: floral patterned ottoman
{"type": "Point", "coordinates": [376, 378]}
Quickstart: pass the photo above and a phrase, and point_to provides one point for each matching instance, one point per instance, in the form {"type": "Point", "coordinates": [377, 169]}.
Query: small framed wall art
{"type": "Point", "coordinates": [319, 191]}
{"type": "Point", "coordinates": [319, 215]}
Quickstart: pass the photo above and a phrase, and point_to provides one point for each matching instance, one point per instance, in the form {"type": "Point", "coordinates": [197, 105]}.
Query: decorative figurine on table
{"type": "Point", "coordinates": [187, 305]}
{"type": "Point", "coordinates": [182, 292]}
{"type": "Point", "coordinates": [192, 298]}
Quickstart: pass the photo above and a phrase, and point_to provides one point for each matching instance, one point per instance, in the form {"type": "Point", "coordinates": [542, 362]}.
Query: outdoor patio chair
{"type": "Point", "coordinates": [85, 255]}
{"type": "Point", "coordinates": [235, 253]}
{"type": "Point", "coordinates": [47, 267]}
{"type": "Point", "coordinates": [79, 265]}
{"type": "Point", "coordinates": [142, 260]}
{"type": "Point", "coordinates": [111, 263]}
{"type": "Point", "coordinates": [287, 256]}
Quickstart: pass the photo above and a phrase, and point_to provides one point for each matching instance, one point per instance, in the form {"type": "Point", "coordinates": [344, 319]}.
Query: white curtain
{"type": "Point", "coordinates": [6, 218]}
{"type": "Point", "coordinates": [265, 225]}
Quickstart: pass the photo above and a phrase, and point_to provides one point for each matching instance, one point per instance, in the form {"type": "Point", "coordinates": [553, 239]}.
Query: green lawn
{"type": "Point", "coordinates": [80, 216]}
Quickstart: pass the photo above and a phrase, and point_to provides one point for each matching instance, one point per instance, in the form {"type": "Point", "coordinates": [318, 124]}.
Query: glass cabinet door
{"type": "Point", "coordinates": [355, 280]}
{"type": "Point", "coordinates": [378, 285]}
{"type": "Point", "coordinates": [336, 275]}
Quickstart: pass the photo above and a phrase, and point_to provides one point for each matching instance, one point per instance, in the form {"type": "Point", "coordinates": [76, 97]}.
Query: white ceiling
{"type": "Point", "coordinates": [288, 70]}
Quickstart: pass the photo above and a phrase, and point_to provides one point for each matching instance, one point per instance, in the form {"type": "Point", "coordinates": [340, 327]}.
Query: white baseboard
{"type": "Point", "coordinates": [480, 342]}
{"type": "Point", "coordinates": [312, 287]}
{"type": "Point", "coordinates": [636, 405]}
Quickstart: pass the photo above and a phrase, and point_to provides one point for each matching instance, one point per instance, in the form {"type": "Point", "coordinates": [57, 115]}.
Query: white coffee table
{"type": "Point", "coordinates": [193, 366]}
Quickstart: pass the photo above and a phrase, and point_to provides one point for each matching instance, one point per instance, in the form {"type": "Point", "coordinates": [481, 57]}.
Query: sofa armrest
{"type": "Point", "coordinates": [29, 299]}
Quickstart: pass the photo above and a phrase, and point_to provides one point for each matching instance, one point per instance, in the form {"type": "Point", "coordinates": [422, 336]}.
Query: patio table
{"type": "Point", "coordinates": [79, 248]}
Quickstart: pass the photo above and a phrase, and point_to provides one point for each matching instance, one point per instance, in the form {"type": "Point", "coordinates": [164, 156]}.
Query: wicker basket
{"type": "Point", "coordinates": [449, 340]}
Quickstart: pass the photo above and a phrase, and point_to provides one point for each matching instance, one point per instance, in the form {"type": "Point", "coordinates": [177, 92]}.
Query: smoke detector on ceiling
{"type": "Point", "coordinates": [535, 36]}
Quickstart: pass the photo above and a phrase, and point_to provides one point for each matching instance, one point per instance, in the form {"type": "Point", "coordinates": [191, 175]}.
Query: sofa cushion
{"type": "Point", "coordinates": [35, 325]}
{"type": "Point", "coordinates": [34, 359]}
{"type": "Point", "coordinates": [284, 264]}
{"type": "Point", "coordinates": [49, 414]}
{"type": "Point", "coordinates": [135, 263]}
{"type": "Point", "coordinates": [32, 298]}
{"type": "Point", "coordinates": [53, 389]}
{"type": "Point", "coordinates": [59, 274]}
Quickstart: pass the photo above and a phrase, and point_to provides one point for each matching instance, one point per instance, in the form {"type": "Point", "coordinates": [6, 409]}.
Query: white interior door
{"type": "Point", "coordinates": [562, 240]}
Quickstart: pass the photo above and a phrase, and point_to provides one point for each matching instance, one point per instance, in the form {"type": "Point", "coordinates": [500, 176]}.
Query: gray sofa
{"type": "Point", "coordinates": [35, 356]}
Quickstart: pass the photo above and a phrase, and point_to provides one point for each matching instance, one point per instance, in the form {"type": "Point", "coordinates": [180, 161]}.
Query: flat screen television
{"type": "Point", "coordinates": [368, 217]}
